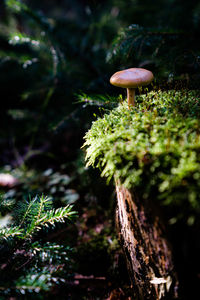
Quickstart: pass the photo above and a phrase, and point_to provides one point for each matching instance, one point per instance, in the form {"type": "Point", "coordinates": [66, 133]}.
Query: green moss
{"type": "Point", "coordinates": [153, 147]}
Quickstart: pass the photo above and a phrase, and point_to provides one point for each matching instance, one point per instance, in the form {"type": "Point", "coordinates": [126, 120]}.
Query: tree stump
{"type": "Point", "coordinates": [147, 251]}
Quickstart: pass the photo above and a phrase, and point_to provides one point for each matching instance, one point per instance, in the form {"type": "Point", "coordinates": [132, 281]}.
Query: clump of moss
{"type": "Point", "coordinates": [153, 147]}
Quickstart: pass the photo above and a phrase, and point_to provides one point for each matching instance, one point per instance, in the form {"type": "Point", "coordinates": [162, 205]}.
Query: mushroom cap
{"type": "Point", "coordinates": [132, 78]}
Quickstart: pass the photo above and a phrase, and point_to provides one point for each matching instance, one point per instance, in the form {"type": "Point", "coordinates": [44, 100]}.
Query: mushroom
{"type": "Point", "coordinates": [131, 79]}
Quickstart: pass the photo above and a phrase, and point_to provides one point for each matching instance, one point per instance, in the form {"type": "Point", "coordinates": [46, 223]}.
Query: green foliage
{"type": "Point", "coordinates": [57, 54]}
{"type": "Point", "coordinates": [104, 101]}
{"type": "Point", "coordinates": [153, 148]}
{"type": "Point", "coordinates": [58, 184]}
{"type": "Point", "coordinates": [44, 274]}
{"type": "Point", "coordinates": [172, 53]}
{"type": "Point", "coordinates": [48, 54]}
{"type": "Point", "coordinates": [40, 263]}
{"type": "Point", "coordinates": [32, 57]}
{"type": "Point", "coordinates": [15, 5]}
{"type": "Point", "coordinates": [31, 216]}
{"type": "Point", "coordinates": [13, 231]}
{"type": "Point", "coordinates": [34, 282]}
{"type": "Point", "coordinates": [54, 56]}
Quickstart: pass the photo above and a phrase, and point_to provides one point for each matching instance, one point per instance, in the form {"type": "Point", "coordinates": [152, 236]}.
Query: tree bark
{"type": "Point", "coordinates": [147, 251]}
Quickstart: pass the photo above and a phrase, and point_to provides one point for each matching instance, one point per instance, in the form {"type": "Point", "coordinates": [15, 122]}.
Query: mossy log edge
{"type": "Point", "coordinates": [147, 251]}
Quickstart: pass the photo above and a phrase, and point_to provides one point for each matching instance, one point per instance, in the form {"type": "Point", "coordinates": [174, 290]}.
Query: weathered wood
{"type": "Point", "coordinates": [147, 251]}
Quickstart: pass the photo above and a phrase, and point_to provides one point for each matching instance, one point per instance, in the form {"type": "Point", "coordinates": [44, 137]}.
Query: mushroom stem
{"type": "Point", "coordinates": [131, 96]}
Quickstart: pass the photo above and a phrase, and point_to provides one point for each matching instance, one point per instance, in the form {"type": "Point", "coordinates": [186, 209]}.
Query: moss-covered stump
{"type": "Point", "coordinates": [153, 150]}
{"type": "Point", "coordinates": [147, 252]}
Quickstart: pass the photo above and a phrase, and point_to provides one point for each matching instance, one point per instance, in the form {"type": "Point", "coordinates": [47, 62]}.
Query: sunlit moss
{"type": "Point", "coordinates": [153, 147]}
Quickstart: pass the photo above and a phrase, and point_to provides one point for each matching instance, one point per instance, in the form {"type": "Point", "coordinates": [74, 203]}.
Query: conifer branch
{"type": "Point", "coordinates": [13, 231]}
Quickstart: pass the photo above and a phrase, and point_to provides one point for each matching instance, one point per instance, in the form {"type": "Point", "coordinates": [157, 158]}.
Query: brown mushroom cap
{"type": "Point", "coordinates": [132, 78]}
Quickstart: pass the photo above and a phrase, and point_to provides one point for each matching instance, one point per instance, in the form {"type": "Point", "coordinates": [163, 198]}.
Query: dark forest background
{"type": "Point", "coordinates": [56, 58]}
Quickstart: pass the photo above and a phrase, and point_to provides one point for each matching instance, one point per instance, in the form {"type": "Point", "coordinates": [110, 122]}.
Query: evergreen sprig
{"type": "Point", "coordinates": [6, 233]}
{"type": "Point", "coordinates": [32, 215]}
{"type": "Point", "coordinates": [34, 281]}
{"type": "Point", "coordinates": [16, 5]}
{"type": "Point", "coordinates": [20, 7]}
{"type": "Point", "coordinates": [45, 219]}
{"type": "Point", "coordinates": [105, 101]}
{"type": "Point", "coordinates": [158, 48]}
{"type": "Point", "coordinates": [41, 264]}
